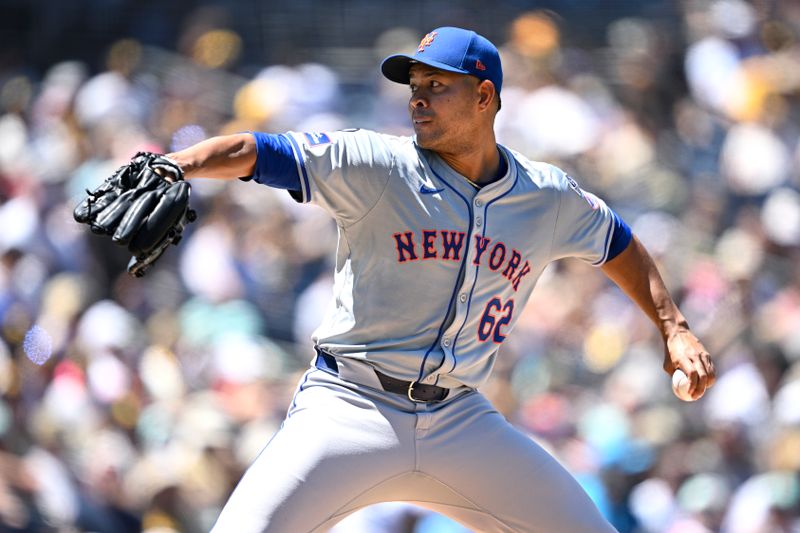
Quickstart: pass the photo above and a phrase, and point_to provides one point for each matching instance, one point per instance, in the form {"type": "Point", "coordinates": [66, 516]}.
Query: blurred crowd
{"type": "Point", "coordinates": [136, 404]}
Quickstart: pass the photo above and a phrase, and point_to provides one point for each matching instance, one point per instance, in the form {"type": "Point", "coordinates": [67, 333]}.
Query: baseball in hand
{"type": "Point", "coordinates": [680, 386]}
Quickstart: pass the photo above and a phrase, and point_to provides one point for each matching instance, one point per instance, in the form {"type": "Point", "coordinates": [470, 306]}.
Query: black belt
{"type": "Point", "coordinates": [413, 390]}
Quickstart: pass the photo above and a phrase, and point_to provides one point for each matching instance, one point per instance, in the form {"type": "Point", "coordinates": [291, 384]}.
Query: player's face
{"type": "Point", "coordinates": [443, 108]}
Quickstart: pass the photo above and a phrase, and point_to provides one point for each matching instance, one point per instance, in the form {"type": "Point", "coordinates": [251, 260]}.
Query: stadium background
{"type": "Point", "coordinates": [130, 405]}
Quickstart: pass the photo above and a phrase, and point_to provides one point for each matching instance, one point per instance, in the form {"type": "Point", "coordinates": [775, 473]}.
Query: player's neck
{"type": "Point", "coordinates": [480, 166]}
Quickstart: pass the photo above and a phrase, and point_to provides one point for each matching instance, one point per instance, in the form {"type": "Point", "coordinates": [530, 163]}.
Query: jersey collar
{"type": "Point", "coordinates": [463, 184]}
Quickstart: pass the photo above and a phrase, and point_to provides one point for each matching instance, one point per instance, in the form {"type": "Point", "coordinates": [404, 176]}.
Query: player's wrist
{"type": "Point", "coordinates": [180, 166]}
{"type": "Point", "coordinates": [673, 326]}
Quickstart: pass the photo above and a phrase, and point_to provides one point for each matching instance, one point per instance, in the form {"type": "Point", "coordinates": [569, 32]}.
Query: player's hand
{"type": "Point", "coordinates": [683, 350]}
{"type": "Point", "coordinates": [169, 174]}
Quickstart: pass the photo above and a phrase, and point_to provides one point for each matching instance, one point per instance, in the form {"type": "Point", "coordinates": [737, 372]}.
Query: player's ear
{"type": "Point", "coordinates": [486, 94]}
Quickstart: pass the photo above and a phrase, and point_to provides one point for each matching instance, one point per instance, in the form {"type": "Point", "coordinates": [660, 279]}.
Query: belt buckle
{"type": "Point", "coordinates": [410, 392]}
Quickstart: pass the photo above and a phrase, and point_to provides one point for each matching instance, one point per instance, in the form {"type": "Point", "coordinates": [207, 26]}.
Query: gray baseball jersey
{"type": "Point", "coordinates": [432, 273]}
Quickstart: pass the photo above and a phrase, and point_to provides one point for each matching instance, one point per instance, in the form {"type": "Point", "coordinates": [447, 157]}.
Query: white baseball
{"type": "Point", "coordinates": [680, 386]}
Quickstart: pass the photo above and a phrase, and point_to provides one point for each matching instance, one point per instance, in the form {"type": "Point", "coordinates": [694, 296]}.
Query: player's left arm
{"type": "Point", "coordinates": [223, 157]}
{"type": "Point", "coordinates": [635, 272]}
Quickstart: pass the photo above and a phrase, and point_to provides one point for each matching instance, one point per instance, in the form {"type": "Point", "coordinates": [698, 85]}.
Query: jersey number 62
{"type": "Point", "coordinates": [495, 316]}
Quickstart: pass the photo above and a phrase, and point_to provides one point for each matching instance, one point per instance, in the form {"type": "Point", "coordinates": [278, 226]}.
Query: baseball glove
{"type": "Point", "coordinates": [140, 209]}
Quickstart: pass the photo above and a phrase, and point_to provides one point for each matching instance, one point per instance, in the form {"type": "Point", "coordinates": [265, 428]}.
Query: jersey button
{"type": "Point", "coordinates": [478, 203]}
{"type": "Point", "coordinates": [478, 221]}
{"type": "Point", "coordinates": [463, 298]}
{"type": "Point", "coordinates": [446, 342]}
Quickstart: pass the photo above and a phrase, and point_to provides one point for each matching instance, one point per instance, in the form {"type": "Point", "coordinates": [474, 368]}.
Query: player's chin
{"type": "Point", "coordinates": [426, 137]}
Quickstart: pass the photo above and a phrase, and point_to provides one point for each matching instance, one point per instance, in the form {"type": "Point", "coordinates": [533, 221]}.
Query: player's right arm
{"type": "Point", "coordinates": [223, 157]}
{"type": "Point", "coordinates": [635, 272]}
{"type": "Point", "coordinates": [588, 229]}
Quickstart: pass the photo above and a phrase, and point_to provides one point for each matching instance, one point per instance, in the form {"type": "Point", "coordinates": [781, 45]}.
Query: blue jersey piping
{"type": "Point", "coordinates": [460, 270]}
{"type": "Point", "coordinates": [478, 266]}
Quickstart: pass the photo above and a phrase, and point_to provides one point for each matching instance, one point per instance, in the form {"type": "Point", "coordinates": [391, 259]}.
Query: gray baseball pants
{"type": "Point", "coordinates": [344, 446]}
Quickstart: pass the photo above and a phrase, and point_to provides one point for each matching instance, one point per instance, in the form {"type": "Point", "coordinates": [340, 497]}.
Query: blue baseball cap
{"type": "Point", "coordinates": [451, 49]}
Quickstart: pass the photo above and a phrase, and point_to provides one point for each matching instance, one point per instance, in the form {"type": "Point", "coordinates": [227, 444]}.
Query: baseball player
{"type": "Point", "coordinates": [442, 237]}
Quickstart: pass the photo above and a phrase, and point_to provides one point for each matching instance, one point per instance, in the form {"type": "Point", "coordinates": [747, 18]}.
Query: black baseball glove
{"type": "Point", "coordinates": [140, 209]}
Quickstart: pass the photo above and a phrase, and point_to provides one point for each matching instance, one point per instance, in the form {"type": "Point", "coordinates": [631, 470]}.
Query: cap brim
{"type": "Point", "coordinates": [396, 67]}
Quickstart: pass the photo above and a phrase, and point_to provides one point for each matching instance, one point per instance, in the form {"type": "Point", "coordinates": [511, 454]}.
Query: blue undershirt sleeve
{"type": "Point", "coordinates": [276, 165]}
{"type": "Point", "coordinates": [621, 237]}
